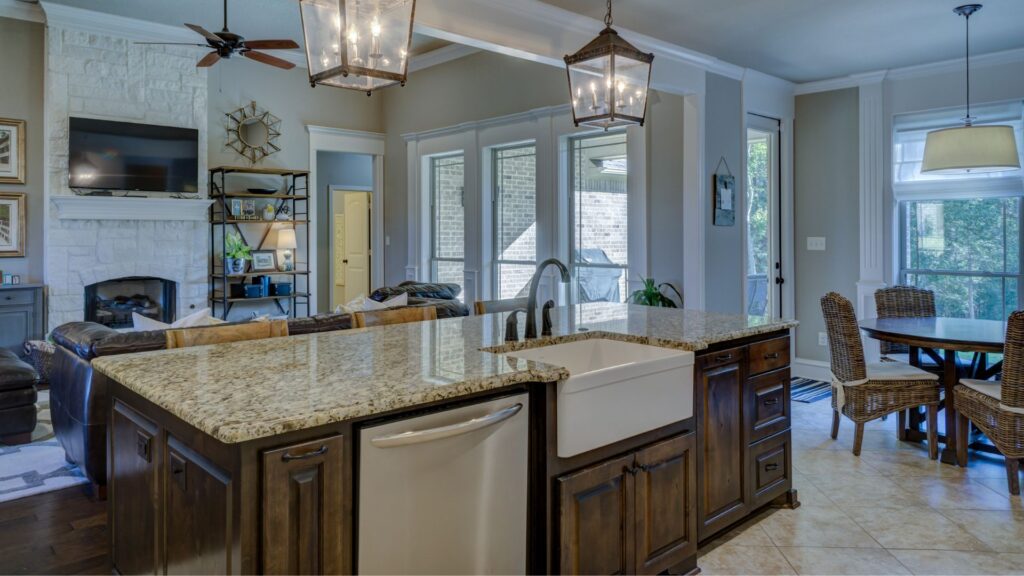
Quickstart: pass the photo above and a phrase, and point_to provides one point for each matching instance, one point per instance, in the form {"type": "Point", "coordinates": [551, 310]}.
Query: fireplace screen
{"type": "Point", "coordinates": [112, 302]}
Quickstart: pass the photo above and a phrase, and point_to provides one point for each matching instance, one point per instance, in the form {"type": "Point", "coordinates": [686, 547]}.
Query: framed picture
{"type": "Point", "coordinates": [725, 200]}
{"type": "Point", "coordinates": [12, 151]}
{"type": "Point", "coordinates": [236, 207]}
{"type": "Point", "coordinates": [264, 260]}
{"type": "Point", "coordinates": [12, 225]}
{"type": "Point", "coordinates": [248, 209]}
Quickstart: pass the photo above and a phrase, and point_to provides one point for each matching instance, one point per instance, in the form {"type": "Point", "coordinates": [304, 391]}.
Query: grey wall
{"type": "Point", "coordinates": [483, 85]}
{"type": "Point", "coordinates": [825, 189]}
{"type": "Point", "coordinates": [334, 169]}
{"type": "Point", "coordinates": [723, 245]}
{"type": "Point", "coordinates": [21, 98]}
{"type": "Point", "coordinates": [665, 188]}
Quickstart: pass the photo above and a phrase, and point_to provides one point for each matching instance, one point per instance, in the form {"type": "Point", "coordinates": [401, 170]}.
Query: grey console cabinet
{"type": "Point", "coordinates": [22, 315]}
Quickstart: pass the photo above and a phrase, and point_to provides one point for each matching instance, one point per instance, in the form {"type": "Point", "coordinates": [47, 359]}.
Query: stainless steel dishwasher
{"type": "Point", "coordinates": [445, 492]}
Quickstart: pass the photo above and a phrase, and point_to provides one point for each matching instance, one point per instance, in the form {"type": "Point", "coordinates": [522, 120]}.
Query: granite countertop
{"type": "Point", "coordinates": [247, 390]}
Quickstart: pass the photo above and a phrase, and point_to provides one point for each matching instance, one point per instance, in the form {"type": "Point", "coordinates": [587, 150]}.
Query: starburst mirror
{"type": "Point", "coordinates": [252, 132]}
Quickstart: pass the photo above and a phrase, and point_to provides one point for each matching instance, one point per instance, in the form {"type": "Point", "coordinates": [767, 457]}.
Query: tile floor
{"type": "Point", "coordinates": [891, 511]}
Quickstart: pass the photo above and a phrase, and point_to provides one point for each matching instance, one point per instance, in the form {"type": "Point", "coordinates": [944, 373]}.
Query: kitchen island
{"type": "Point", "coordinates": [246, 457]}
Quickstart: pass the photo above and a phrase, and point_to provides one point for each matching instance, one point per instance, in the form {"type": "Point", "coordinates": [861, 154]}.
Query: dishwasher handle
{"type": "Point", "coordinates": [431, 434]}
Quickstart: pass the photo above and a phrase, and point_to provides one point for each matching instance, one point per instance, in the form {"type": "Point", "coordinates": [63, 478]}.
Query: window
{"type": "Point", "coordinates": [599, 207]}
{"type": "Point", "coordinates": [447, 184]}
{"type": "Point", "coordinates": [515, 219]}
{"type": "Point", "coordinates": [960, 236]}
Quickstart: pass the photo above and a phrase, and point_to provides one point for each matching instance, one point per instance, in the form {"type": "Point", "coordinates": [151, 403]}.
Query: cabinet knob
{"type": "Point", "coordinates": [723, 357]}
{"type": "Point", "coordinates": [288, 456]}
{"type": "Point", "coordinates": [771, 401]}
{"type": "Point", "coordinates": [770, 467]}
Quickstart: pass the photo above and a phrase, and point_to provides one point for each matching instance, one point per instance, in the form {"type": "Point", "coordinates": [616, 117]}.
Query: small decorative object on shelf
{"type": "Point", "coordinates": [264, 261]}
{"type": "Point", "coordinates": [236, 252]}
{"type": "Point", "coordinates": [243, 205]}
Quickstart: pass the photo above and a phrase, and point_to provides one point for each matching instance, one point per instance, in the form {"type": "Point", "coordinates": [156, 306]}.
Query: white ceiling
{"type": "Point", "coordinates": [805, 40]}
{"type": "Point", "coordinates": [254, 19]}
{"type": "Point", "coordinates": [799, 40]}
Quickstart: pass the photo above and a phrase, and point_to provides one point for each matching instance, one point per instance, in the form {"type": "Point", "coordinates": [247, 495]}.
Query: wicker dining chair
{"type": "Point", "coordinates": [863, 392]}
{"type": "Point", "coordinates": [997, 408]}
{"type": "Point", "coordinates": [902, 302]}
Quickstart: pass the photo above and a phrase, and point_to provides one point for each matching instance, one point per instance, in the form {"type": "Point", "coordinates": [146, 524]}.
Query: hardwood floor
{"type": "Point", "coordinates": [62, 532]}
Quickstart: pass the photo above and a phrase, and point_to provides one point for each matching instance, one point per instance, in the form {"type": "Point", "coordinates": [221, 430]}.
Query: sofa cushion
{"type": "Point", "coordinates": [129, 342]}
{"type": "Point", "coordinates": [15, 373]}
{"type": "Point", "coordinates": [431, 290]}
{"type": "Point", "coordinates": [18, 397]}
{"type": "Point", "coordinates": [79, 337]}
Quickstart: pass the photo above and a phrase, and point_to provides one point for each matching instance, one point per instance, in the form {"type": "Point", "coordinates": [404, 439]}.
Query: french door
{"type": "Point", "coordinates": [762, 255]}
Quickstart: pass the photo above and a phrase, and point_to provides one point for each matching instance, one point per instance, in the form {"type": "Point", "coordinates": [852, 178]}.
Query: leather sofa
{"type": "Point", "coordinates": [78, 402]}
{"type": "Point", "coordinates": [17, 399]}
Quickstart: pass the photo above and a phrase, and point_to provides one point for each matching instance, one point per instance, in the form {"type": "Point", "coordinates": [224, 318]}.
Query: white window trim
{"type": "Point", "coordinates": [549, 128]}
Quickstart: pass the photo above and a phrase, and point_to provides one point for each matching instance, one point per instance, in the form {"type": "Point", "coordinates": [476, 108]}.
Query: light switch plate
{"type": "Point", "coordinates": [816, 243]}
{"type": "Point", "coordinates": [822, 339]}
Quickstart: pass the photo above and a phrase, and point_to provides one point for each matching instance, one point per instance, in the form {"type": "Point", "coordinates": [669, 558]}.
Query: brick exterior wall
{"type": "Point", "coordinates": [91, 75]}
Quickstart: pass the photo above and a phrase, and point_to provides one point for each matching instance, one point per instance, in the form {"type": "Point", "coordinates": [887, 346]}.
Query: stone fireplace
{"type": "Point", "coordinates": [112, 302]}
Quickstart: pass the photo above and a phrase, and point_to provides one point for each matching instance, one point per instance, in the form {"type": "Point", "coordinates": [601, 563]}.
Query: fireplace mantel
{"type": "Point", "coordinates": [124, 208]}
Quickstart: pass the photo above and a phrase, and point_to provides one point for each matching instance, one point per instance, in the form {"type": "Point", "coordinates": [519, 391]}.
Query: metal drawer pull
{"type": "Point", "coordinates": [723, 358]}
{"type": "Point", "coordinates": [770, 467]}
{"type": "Point", "coordinates": [288, 456]}
{"type": "Point", "coordinates": [771, 401]}
{"type": "Point", "coordinates": [772, 356]}
{"type": "Point", "coordinates": [420, 436]}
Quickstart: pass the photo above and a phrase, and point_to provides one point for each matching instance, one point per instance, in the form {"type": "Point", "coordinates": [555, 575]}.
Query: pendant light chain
{"type": "Point", "coordinates": [967, 52]}
{"type": "Point", "coordinates": [608, 15]}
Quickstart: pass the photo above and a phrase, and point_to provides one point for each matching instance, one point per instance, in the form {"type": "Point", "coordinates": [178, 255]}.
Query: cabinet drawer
{"type": "Point", "coordinates": [770, 462]}
{"type": "Point", "coordinates": [720, 358]}
{"type": "Point", "coordinates": [769, 409]}
{"type": "Point", "coordinates": [17, 297]}
{"type": "Point", "coordinates": [768, 355]}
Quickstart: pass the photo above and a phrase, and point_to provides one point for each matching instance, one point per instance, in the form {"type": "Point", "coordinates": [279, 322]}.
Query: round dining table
{"type": "Point", "coordinates": [940, 339]}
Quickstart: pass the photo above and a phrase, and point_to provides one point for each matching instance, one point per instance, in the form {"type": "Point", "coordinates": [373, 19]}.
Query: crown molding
{"type": "Point", "coordinates": [956, 65]}
{"type": "Point", "coordinates": [331, 131]}
{"type": "Point", "coordinates": [17, 10]}
{"type": "Point", "coordinates": [440, 56]}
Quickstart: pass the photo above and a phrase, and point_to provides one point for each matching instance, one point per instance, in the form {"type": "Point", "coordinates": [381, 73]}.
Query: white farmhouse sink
{"type": "Point", "coordinates": [615, 390]}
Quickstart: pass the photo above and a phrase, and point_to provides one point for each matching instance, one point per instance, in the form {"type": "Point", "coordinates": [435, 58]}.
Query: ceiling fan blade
{"type": "Point", "coordinates": [271, 44]}
{"type": "Point", "coordinates": [204, 32]}
{"type": "Point", "coordinates": [208, 60]}
{"type": "Point", "coordinates": [268, 59]}
{"type": "Point", "coordinates": [172, 44]}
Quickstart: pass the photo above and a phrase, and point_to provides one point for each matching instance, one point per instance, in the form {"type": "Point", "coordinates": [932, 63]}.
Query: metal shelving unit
{"type": "Point", "coordinates": [296, 198]}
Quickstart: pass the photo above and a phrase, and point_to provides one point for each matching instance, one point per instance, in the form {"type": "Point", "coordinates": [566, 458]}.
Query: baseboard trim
{"type": "Point", "coordinates": [814, 369]}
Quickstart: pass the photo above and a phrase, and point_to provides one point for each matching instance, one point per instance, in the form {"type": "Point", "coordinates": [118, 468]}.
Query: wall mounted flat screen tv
{"type": "Point", "coordinates": [106, 155]}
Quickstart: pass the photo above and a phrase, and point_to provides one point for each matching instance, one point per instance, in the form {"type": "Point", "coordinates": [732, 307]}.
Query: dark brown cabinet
{"type": "Point", "coordinates": [633, 514]}
{"type": "Point", "coordinates": [198, 513]}
{"type": "Point", "coordinates": [743, 431]}
{"type": "Point", "coordinates": [135, 486]}
{"type": "Point", "coordinates": [302, 508]}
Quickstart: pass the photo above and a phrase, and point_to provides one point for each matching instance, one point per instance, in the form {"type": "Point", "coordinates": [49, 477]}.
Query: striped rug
{"type": "Point", "coordinates": [807, 391]}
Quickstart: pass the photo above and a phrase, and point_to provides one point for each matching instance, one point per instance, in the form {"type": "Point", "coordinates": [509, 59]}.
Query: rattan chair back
{"type": "Point", "coordinates": [903, 302]}
{"type": "Point", "coordinates": [1013, 362]}
{"type": "Point", "coordinates": [844, 344]}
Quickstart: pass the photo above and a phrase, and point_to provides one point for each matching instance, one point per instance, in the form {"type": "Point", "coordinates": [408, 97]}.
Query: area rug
{"type": "Point", "coordinates": [808, 391]}
{"type": "Point", "coordinates": [38, 466]}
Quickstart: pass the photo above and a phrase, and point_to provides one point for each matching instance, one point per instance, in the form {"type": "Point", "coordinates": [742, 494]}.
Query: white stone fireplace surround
{"type": "Point", "coordinates": [94, 71]}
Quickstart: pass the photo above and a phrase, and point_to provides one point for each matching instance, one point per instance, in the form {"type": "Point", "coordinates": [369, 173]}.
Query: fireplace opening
{"type": "Point", "coordinates": [112, 302]}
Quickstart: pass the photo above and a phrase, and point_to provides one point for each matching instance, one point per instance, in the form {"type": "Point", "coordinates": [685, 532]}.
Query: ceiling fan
{"type": "Point", "coordinates": [225, 43]}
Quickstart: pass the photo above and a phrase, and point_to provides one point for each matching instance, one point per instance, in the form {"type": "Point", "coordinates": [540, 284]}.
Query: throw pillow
{"type": "Point", "coordinates": [195, 319]}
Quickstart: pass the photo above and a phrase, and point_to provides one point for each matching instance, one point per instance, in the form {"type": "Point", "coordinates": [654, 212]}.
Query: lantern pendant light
{"type": "Point", "coordinates": [357, 44]}
{"type": "Point", "coordinates": [970, 148]}
{"type": "Point", "coordinates": [608, 80]}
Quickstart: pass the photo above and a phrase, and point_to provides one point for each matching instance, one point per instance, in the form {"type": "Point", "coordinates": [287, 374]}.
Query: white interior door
{"type": "Point", "coordinates": [338, 261]}
{"type": "Point", "coordinates": [357, 244]}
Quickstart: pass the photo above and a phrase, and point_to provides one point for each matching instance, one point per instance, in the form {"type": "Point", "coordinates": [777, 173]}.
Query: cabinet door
{"type": "Point", "coordinates": [666, 497]}
{"type": "Point", "coordinates": [134, 491]}
{"type": "Point", "coordinates": [15, 326]}
{"type": "Point", "coordinates": [595, 517]}
{"type": "Point", "coordinates": [199, 510]}
{"type": "Point", "coordinates": [722, 440]}
{"type": "Point", "coordinates": [302, 508]}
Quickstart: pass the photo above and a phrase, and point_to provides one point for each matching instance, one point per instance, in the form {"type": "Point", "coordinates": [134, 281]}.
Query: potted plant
{"type": "Point", "coordinates": [236, 252]}
{"type": "Point", "coordinates": [651, 295]}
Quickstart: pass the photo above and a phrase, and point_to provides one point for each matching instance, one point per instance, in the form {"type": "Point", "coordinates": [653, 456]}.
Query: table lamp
{"type": "Point", "coordinates": [286, 243]}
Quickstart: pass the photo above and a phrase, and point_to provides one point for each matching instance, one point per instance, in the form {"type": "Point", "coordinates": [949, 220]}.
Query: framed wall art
{"type": "Point", "coordinates": [12, 225]}
{"type": "Point", "coordinates": [12, 151]}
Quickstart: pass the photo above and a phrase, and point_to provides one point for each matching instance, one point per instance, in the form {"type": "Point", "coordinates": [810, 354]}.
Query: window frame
{"type": "Point", "coordinates": [495, 228]}
{"type": "Point", "coordinates": [432, 192]}
{"type": "Point", "coordinates": [573, 265]}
